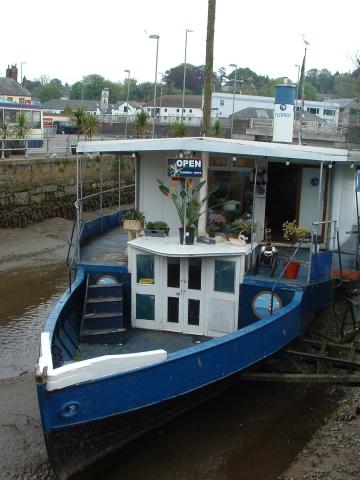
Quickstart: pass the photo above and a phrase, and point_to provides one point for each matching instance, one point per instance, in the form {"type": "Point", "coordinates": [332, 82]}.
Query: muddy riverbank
{"type": "Point", "coordinates": [251, 431]}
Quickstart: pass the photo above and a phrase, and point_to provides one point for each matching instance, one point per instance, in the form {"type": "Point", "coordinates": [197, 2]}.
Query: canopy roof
{"type": "Point", "coordinates": [217, 145]}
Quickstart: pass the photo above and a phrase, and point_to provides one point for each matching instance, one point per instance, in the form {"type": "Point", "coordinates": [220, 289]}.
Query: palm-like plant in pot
{"type": "Point", "coordinates": [293, 233]}
{"type": "Point", "coordinates": [189, 207]}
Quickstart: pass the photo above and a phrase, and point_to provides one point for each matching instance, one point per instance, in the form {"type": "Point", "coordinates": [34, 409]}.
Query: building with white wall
{"type": "Point", "coordinates": [222, 105]}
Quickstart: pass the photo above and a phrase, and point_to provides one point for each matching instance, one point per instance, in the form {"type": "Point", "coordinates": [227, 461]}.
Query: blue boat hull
{"type": "Point", "coordinates": [113, 410]}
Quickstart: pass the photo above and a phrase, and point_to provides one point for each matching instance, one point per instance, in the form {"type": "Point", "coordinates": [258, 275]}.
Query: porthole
{"type": "Point", "coordinates": [261, 305]}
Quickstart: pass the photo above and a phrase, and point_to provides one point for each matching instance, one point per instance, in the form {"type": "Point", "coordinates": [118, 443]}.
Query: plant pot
{"type": "Point", "coordinates": [189, 235]}
{"type": "Point", "coordinates": [133, 225]}
{"type": "Point", "coordinates": [292, 269]}
{"type": "Point", "coordinates": [156, 233]}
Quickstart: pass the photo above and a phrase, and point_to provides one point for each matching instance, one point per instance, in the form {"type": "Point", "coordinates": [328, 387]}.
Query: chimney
{"type": "Point", "coordinates": [12, 72]}
{"type": "Point", "coordinates": [284, 113]}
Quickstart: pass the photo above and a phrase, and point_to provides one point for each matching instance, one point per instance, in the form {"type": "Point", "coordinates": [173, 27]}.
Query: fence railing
{"type": "Point", "coordinates": [328, 128]}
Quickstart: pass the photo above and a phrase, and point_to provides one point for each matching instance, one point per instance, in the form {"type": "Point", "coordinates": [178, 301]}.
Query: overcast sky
{"type": "Point", "coordinates": [71, 38]}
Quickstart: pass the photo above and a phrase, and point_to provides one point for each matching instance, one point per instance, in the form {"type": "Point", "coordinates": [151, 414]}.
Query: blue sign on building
{"type": "Point", "coordinates": [185, 167]}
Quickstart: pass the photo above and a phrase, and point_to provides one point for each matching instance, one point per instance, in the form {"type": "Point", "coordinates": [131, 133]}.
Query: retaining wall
{"type": "Point", "coordinates": [32, 190]}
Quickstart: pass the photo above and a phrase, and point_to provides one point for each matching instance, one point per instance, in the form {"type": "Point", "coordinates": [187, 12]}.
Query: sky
{"type": "Point", "coordinates": [70, 39]}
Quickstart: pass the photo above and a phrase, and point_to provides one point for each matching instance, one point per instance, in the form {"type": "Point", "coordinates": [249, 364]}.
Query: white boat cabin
{"type": "Point", "coordinates": [191, 289]}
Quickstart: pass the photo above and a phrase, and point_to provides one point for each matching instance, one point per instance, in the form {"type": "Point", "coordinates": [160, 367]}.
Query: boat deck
{"type": "Point", "coordinates": [139, 340]}
{"type": "Point", "coordinates": [107, 248]}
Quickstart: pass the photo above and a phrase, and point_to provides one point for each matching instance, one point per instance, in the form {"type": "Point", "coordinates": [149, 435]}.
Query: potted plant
{"type": "Point", "coordinates": [157, 229]}
{"type": "Point", "coordinates": [292, 233]}
{"type": "Point", "coordinates": [185, 196]}
{"type": "Point", "coordinates": [134, 222]}
{"type": "Point", "coordinates": [245, 228]}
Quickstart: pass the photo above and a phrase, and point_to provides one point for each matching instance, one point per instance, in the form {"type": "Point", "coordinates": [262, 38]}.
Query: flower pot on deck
{"type": "Point", "coordinates": [292, 270]}
{"type": "Point", "coordinates": [133, 225]}
{"type": "Point", "coordinates": [189, 235]}
{"type": "Point", "coordinates": [156, 233]}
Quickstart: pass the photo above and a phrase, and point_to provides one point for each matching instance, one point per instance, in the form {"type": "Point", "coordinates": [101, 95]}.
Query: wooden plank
{"type": "Point", "coordinates": [348, 379]}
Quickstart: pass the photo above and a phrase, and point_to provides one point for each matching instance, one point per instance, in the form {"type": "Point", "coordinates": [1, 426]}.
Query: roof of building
{"type": "Point", "coordinates": [62, 103]}
{"type": "Point", "coordinates": [190, 101]}
{"type": "Point", "coordinates": [218, 145]}
{"type": "Point", "coordinates": [348, 102]}
{"type": "Point", "coordinates": [268, 113]}
{"type": "Point", "coordinates": [8, 86]}
{"type": "Point", "coordinates": [132, 103]}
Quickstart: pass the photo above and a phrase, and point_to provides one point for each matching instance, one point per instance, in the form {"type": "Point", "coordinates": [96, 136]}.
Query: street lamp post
{"type": "Point", "coordinates": [156, 37]}
{"type": "Point", "coordinates": [297, 91]}
{"type": "Point", "coordinates": [161, 90]}
{"type": "Point", "coordinates": [303, 89]}
{"type": "Point", "coordinates": [233, 105]}
{"type": "Point", "coordinates": [127, 101]}
{"type": "Point", "coordinates": [184, 78]}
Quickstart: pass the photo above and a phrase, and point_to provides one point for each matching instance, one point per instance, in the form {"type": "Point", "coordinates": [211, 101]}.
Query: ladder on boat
{"type": "Point", "coordinates": [103, 315]}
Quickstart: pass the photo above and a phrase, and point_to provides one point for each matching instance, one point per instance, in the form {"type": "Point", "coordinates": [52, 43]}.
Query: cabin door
{"type": "Point", "coordinates": [223, 274]}
{"type": "Point", "coordinates": [184, 295]}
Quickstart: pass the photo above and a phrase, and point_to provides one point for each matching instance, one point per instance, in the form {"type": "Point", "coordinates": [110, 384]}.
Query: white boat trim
{"type": "Point", "coordinates": [91, 369]}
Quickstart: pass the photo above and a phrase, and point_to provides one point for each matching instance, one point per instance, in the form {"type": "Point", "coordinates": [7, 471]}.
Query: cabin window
{"type": "Point", "coordinates": [224, 276]}
{"type": "Point", "coordinates": [145, 269]}
{"type": "Point", "coordinates": [219, 162]}
{"type": "Point", "coordinates": [194, 274]}
{"type": "Point", "coordinates": [232, 202]}
{"type": "Point", "coordinates": [173, 272]}
{"type": "Point", "coordinates": [145, 306]}
{"type": "Point", "coordinates": [193, 312]}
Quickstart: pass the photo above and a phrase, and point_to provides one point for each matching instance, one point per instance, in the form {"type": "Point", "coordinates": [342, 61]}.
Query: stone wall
{"type": "Point", "coordinates": [32, 190]}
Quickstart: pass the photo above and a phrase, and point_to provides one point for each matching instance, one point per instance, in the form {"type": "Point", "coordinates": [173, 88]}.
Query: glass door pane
{"type": "Point", "coordinates": [173, 272]}
{"type": "Point", "coordinates": [193, 312]}
{"type": "Point", "coordinates": [194, 272]}
{"type": "Point", "coordinates": [173, 310]}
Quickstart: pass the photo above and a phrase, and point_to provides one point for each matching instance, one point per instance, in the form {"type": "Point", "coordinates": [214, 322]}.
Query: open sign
{"type": "Point", "coordinates": [185, 167]}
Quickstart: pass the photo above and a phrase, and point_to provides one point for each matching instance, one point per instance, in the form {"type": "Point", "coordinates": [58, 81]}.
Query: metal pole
{"type": "Point", "coordinates": [297, 92]}
{"type": "Point", "coordinates": [184, 78]}
{"type": "Point", "coordinates": [127, 101]}
{"type": "Point", "coordinates": [184, 229]}
{"type": "Point", "coordinates": [253, 213]}
{"type": "Point", "coordinates": [78, 200]}
{"type": "Point", "coordinates": [319, 195]}
{"type": "Point", "coordinates": [233, 105]}
{"type": "Point", "coordinates": [101, 193]}
{"type": "Point", "coordinates": [119, 183]}
{"type": "Point", "coordinates": [156, 37]}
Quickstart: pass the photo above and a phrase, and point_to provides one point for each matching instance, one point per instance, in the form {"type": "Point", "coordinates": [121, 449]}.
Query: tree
{"type": "Point", "coordinates": [173, 78]}
{"type": "Point", "coordinates": [22, 126]}
{"type": "Point", "coordinates": [208, 82]}
{"type": "Point", "coordinates": [90, 125]}
{"type": "Point", "coordinates": [78, 120]}
{"type": "Point", "coordinates": [178, 129]}
{"type": "Point", "coordinates": [47, 92]}
{"type": "Point", "coordinates": [217, 128]}
{"type": "Point", "coordinates": [68, 111]}
{"type": "Point", "coordinates": [141, 123]}
{"type": "Point", "coordinates": [6, 131]}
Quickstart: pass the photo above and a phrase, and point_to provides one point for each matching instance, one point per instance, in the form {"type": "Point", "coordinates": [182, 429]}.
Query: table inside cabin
{"type": "Point", "coordinates": [192, 289]}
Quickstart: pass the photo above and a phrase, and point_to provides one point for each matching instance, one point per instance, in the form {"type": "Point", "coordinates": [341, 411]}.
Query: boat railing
{"type": "Point", "coordinates": [78, 220]}
{"type": "Point", "coordinates": [333, 238]}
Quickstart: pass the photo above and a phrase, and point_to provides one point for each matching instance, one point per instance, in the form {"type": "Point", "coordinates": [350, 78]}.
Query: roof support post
{"type": "Point", "coordinates": [319, 196]}
{"type": "Point", "coordinates": [253, 212]}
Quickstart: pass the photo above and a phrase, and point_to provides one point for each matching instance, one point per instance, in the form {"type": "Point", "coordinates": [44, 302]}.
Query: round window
{"type": "Point", "coordinates": [107, 280]}
{"type": "Point", "coordinates": [261, 304]}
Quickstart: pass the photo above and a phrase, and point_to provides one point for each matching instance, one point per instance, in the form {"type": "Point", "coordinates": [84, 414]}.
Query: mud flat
{"type": "Point", "coordinates": [39, 244]}
{"type": "Point", "coordinates": [333, 451]}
